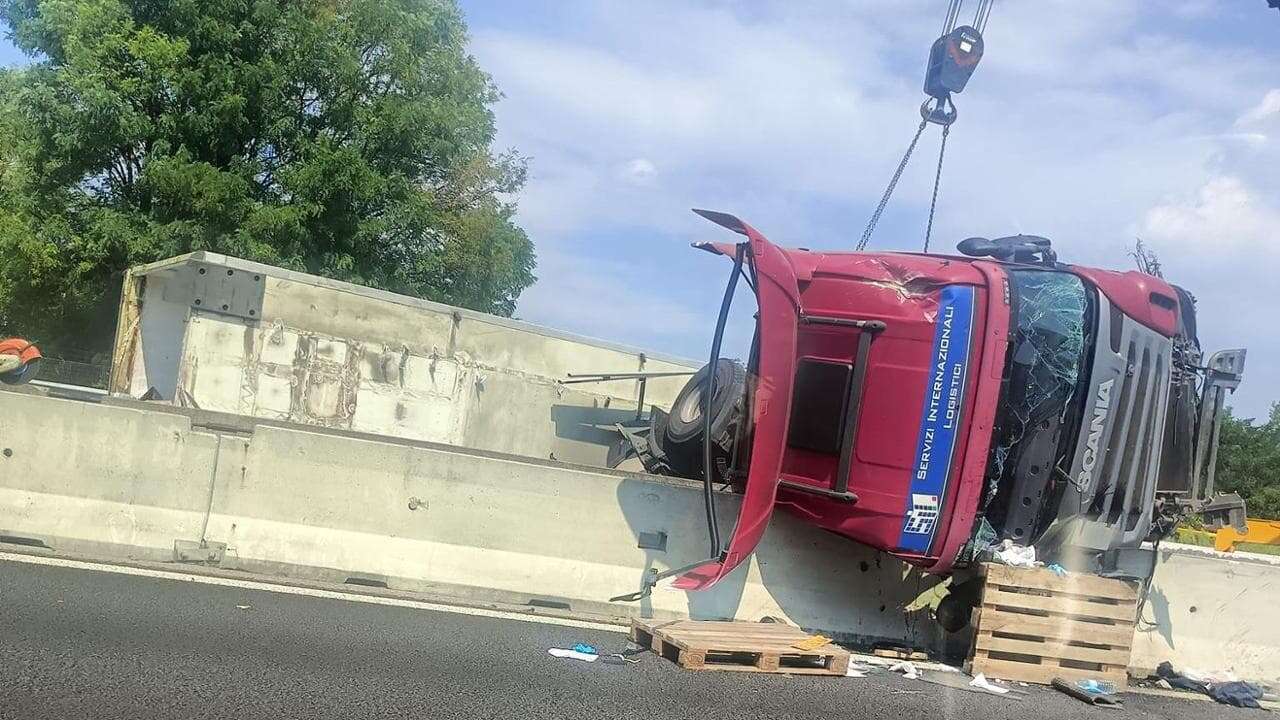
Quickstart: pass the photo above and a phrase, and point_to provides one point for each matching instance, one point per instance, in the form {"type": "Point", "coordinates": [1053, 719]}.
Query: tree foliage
{"type": "Point", "coordinates": [1249, 462]}
{"type": "Point", "coordinates": [346, 138]}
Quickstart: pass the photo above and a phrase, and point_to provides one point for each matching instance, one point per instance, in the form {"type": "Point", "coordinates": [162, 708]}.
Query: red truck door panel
{"type": "Point", "coordinates": [779, 303]}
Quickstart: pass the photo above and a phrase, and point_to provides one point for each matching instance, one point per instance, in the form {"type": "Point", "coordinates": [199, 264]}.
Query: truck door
{"type": "Point", "coordinates": [778, 300]}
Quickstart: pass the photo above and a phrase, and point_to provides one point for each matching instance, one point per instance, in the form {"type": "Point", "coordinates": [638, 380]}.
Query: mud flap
{"type": "Point", "coordinates": [778, 298]}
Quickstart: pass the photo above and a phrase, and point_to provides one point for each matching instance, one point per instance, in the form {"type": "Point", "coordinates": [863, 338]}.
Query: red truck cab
{"type": "Point", "coordinates": [911, 401]}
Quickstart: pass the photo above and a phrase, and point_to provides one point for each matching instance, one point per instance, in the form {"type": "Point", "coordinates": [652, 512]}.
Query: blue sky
{"type": "Point", "coordinates": [1089, 121]}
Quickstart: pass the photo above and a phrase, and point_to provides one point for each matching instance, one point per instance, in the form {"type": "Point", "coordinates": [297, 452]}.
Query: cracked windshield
{"type": "Point", "coordinates": [1047, 355]}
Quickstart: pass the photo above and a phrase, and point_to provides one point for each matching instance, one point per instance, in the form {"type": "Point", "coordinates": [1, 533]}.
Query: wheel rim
{"type": "Point", "coordinates": [691, 410]}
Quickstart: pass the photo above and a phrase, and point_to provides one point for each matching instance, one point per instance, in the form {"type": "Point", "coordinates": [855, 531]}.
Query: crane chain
{"type": "Point", "coordinates": [937, 178]}
{"type": "Point", "coordinates": [884, 200]}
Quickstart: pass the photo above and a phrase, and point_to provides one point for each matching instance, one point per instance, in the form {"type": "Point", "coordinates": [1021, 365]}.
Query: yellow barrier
{"type": "Point", "coordinates": [1261, 532]}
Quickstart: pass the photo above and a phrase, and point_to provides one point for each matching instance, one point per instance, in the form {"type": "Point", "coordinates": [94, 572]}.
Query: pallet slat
{"type": "Point", "coordinates": [687, 628]}
{"type": "Point", "coordinates": [1059, 605]}
{"type": "Point", "coordinates": [1053, 628]}
{"type": "Point", "coordinates": [1104, 656]}
{"type": "Point", "coordinates": [739, 647]}
{"type": "Point", "coordinates": [1044, 674]}
{"type": "Point", "coordinates": [1075, 583]}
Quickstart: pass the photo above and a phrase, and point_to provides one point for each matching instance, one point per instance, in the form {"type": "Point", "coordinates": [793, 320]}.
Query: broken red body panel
{"type": "Point", "coordinates": [779, 301]}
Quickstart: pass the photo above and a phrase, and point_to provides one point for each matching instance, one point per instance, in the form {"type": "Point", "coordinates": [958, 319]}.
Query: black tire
{"type": "Point", "coordinates": [685, 423]}
{"type": "Point", "coordinates": [953, 613]}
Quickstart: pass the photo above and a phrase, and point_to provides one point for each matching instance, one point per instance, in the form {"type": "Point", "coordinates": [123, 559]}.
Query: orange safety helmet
{"type": "Point", "coordinates": [28, 357]}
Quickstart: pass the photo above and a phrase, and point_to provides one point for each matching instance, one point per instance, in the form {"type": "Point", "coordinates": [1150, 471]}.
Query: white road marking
{"type": "Point", "coordinates": [307, 592]}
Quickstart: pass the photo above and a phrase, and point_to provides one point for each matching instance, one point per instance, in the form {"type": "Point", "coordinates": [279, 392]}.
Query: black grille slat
{"type": "Point", "coordinates": [1139, 435]}
{"type": "Point", "coordinates": [1156, 400]}
{"type": "Point", "coordinates": [1108, 468]}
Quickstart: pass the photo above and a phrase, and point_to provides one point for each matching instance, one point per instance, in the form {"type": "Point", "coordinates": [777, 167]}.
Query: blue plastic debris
{"type": "Point", "coordinates": [1096, 687]}
{"type": "Point", "coordinates": [1091, 691]}
{"type": "Point", "coordinates": [585, 648]}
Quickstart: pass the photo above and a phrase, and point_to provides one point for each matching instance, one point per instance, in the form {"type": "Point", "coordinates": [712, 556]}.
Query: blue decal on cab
{"type": "Point", "coordinates": [943, 407]}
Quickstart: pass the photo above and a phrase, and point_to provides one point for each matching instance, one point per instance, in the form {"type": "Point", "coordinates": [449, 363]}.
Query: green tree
{"type": "Point", "coordinates": [347, 138]}
{"type": "Point", "coordinates": [1249, 462]}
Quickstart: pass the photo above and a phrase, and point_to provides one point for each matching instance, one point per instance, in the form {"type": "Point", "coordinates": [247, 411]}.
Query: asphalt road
{"type": "Point", "coordinates": [83, 643]}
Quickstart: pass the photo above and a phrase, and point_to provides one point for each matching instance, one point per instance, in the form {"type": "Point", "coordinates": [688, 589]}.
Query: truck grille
{"type": "Point", "coordinates": [1127, 466]}
{"type": "Point", "coordinates": [1128, 469]}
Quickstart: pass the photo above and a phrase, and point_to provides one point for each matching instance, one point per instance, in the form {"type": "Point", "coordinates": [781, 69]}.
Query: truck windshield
{"type": "Point", "coordinates": [1051, 334]}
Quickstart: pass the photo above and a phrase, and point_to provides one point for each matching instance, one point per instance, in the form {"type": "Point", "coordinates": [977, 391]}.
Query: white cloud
{"type": "Point", "coordinates": [639, 171]}
{"type": "Point", "coordinates": [1221, 240]}
{"type": "Point", "coordinates": [1267, 111]}
{"type": "Point", "coordinates": [1224, 218]}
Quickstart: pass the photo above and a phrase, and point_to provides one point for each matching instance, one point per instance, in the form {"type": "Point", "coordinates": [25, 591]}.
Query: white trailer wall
{"type": "Point", "coordinates": [223, 334]}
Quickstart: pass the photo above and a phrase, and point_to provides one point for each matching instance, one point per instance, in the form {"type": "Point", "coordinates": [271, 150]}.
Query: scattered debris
{"type": "Point", "coordinates": [960, 681]}
{"type": "Point", "coordinates": [813, 642]}
{"type": "Point", "coordinates": [1224, 688]}
{"type": "Point", "coordinates": [1057, 569]}
{"type": "Point", "coordinates": [244, 607]}
{"type": "Point", "coordinates": [920, 664]}
{"type": "Point", "coordinates": [586, 649]}
{"type": "Point", "coordinates": [899, 653]}
{"type": "Point", "coordinates": [1177, 680]}
{"type": "Point", "coordinates": [1097, 686]}
{"type": "Point", "coordinates": [1237, 693]}
{"type": "Point", "coordinates": [981, 682]}
{"type": "Point", "coordinates": [907, 669]}
{"type": "Point", "coordinates": [1016, 555]}
{"type": "Point", "coordinates": [618, 659]}
{"type": "Point", "coordinates": [1102, 694]}
{"type": "Point", "coordinates": [573, 654]}
{"type": "Point", "coordinates": [857, 671]}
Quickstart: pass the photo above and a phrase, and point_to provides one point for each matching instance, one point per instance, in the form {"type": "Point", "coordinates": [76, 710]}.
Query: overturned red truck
{"type": "Point", "coordinates": [932, 405]}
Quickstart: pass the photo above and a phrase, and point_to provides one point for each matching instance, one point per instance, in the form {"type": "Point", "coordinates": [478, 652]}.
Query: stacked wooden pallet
{"type": "Point", "coordinates": [1033, 626]}
{"type": "Point", "coordinates": [739, 646]}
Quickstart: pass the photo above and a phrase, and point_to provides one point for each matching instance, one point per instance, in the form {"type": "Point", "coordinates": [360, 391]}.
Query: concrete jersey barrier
{"type": "Point", "coordinates": [1212, 611]}
{"type": "Point", "coordinates": [481, 526]}
{"type": "Point", "coordinates": [83, 477]}
{"type": "Point", "coordinates": [135, 481]}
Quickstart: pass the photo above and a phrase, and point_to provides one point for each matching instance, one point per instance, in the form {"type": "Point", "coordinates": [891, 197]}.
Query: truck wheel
{"type": "Point", "coordinates": [953, 613]}
{"type": "Point", "coordinates": [685, 423]}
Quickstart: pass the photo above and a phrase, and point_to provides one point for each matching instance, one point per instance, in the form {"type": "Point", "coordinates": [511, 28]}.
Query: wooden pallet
{"type": "Point", "coordinates": [737, 646]}
{"type": "Point", "coordinates": [1033, 626]}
